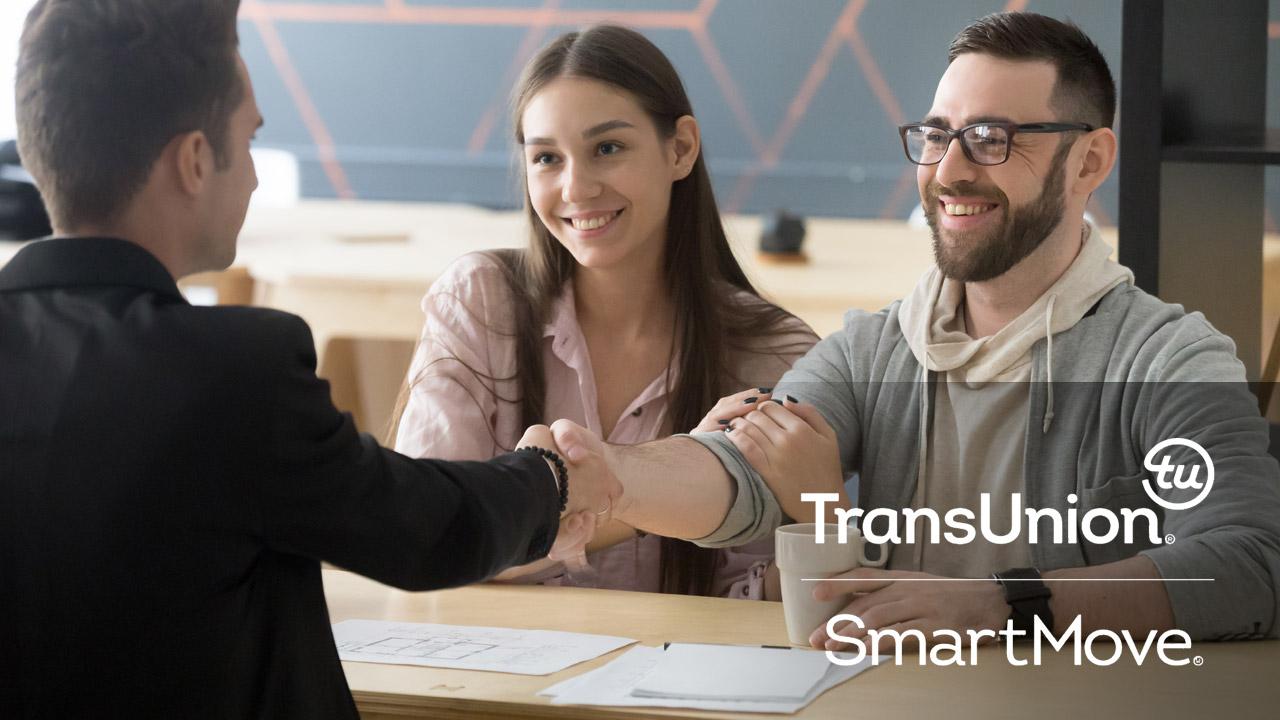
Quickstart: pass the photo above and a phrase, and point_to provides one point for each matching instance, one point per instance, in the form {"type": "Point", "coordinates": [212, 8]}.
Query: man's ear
{"type": "Point", "coordinates": [1097, 158]}
{"type": "Point", "coordinates": [686, 144]}
{"type": "Point", "coordinates": [192, 161]}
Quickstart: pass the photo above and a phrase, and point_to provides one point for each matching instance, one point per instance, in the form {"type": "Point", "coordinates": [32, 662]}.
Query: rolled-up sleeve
{"type": "Point", "coordinates": [755, 511]}
{"type": "Point", "coordinates": [823, 378]}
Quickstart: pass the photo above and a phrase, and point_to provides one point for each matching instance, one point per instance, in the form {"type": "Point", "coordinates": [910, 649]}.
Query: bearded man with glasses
{"type": "Point", "coordinates": [1025, 371]}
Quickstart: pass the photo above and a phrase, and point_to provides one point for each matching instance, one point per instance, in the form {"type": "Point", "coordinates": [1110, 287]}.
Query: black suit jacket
{"type": "Point", "coordinates": [170, 478]}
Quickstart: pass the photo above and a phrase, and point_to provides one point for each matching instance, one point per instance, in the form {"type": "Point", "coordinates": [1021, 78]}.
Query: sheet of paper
{"type": "Point", "coordinates": [734, 672]}
{"type": "Point", "coordinates": [611, 685]}
{"type": "Point", "coordinates": [523, 652]}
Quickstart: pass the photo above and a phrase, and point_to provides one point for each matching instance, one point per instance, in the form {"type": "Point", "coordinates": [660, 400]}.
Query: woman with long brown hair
{"type": "Point", "coordinates": [627, 313]}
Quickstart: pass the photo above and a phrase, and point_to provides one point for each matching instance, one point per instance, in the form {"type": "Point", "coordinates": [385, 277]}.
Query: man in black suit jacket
{"type": "Point", "coordinates": [170, 475]}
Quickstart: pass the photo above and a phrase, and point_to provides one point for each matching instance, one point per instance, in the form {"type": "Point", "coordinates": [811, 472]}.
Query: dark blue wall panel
{"type": "Point", "coordinates": [412, 95]}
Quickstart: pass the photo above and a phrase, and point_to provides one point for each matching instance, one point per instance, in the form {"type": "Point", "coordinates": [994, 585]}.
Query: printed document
{"type": "Point", "coordinates": [613, 685]}
{"type": "Point", "coordinates": [734, 672]}
{"type": "Point", "coordinates": [523, 652]}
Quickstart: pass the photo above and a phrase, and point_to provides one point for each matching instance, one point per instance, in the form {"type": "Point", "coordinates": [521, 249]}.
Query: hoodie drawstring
{"type": "Point", "coordinates": [923, 443]}
{"type": "Point", "coordinates": [923, 438]}
{"type": "Point", "coordinates": [1048, 335]}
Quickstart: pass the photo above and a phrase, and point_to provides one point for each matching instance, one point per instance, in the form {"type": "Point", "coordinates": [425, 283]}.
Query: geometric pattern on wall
{"type": "Point", "coordinates": [798, 99]}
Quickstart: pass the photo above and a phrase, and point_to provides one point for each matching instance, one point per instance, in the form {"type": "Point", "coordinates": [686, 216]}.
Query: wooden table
{"type": "Point", "coordinates": [1236, 680]}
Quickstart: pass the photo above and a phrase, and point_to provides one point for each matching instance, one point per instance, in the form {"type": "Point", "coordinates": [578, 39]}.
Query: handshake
{"type": "Point", "coordinates": [595, 493]}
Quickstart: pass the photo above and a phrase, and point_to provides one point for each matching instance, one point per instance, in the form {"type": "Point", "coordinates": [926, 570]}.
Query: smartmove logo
{"type": "Point", "coordinates": [1097, 525]}
{"type": "Point", "coordinates": [948, 647]}
{"type": "Point", "coordinates": [1100, 525]}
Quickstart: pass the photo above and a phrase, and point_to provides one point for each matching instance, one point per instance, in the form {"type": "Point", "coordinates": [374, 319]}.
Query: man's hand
{"type": "Point", "coordinates": [794, 450]}
{"type": "Point", "coordinates": [589, 457]}
{"type": "Point", "coordinates": [924, 602]}
{"type": "Point", "coordinates": [593, 491]}
{"type": "Point", "coordinates": [674, 487]}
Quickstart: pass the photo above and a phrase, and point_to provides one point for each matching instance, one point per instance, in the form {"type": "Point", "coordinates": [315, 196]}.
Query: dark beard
{"type": "Point", "coordinates": [1022, 231]}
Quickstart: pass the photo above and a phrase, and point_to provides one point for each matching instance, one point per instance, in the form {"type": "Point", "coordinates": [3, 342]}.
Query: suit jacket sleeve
{"type": "Point", "coordinates": [335, 495]}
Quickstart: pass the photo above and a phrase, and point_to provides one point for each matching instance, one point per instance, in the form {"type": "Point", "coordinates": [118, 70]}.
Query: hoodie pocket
{"type": "Point", "coordinates": [1116, 492]}
{"type": "Point", "coordinates": [1111, 498]}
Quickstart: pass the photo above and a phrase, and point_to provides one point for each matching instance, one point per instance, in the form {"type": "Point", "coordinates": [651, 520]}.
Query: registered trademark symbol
{"type": "Point", "coordinates": [1197, 660]}
{"type": "Point", "coordinates": [1168, 539]}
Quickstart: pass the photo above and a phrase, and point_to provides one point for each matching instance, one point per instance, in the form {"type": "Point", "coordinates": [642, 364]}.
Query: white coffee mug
{"type": "Point", "coordinates": [799, 556]}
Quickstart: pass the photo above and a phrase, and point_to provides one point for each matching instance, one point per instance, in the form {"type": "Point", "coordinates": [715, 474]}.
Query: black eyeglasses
{"type": "Point", "coordinates": [983, 143]}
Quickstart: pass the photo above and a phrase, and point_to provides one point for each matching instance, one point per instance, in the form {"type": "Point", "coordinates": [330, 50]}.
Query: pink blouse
{"type": "Point", "coordinates": [462, 406]}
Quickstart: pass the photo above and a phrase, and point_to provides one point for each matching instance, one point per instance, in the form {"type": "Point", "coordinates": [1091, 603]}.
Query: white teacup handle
{"type": "Point", "coordinates": [878, 562]}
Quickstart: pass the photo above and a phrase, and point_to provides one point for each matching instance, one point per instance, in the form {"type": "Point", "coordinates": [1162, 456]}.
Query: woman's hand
{"type": "Point", "coordinates": [794, 449]}
{"type": "Point", "coordinates": [730, 407]}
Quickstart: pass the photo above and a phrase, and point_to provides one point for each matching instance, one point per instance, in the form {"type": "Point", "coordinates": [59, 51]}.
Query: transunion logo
{"type": "Point", "coordinates": [1178, 483]}
{"type": "Point", "coordinates": [1100, 525]}
{"type": "Point", "coordinates": [1167, 487]}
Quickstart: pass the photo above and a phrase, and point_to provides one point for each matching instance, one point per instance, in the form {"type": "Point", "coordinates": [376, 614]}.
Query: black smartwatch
{"type": "Point", "coordinates": [1028, 597]}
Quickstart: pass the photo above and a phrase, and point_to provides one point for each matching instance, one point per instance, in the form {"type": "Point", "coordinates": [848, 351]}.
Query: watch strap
{"type": "Point", "coordinates": [1028, 597]}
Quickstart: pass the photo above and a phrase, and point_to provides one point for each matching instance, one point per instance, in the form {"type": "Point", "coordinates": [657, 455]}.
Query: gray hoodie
{"type": "Point", "coordinates": [975, 441]}
{"type": "Point", "coordinates": [1132, 372]}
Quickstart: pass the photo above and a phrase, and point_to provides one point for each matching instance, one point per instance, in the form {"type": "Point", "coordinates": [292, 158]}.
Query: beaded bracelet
{"type": "Point", "coordinates": [562, 472]}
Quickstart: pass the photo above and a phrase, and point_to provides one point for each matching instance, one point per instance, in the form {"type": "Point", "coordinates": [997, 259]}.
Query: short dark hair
{"type": "Point", "coordinates": [1085, 91]}
{"type": "Point", "coordinates": [104, 85]}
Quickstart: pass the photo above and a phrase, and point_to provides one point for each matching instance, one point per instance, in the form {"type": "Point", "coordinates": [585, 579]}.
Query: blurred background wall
{"type": "Point", "coordinates": [798, 99]}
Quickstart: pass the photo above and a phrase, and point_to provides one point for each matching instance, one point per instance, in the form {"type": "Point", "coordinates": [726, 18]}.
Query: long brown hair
{"type": "Point", "coordinates": [713, 323]}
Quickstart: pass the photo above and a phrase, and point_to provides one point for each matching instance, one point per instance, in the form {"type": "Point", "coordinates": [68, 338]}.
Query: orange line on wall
{"type": "Point", "coordinates": [729, 89]}
{"type": "Point", "coordinates": [704, 10]}
{"type": "Point", "coordinates": [720, 73]}
{"type": "Point", "coordinates": [302, 100]}
{"type": "Point", "coordinates": [799, 104]}
{"type": "Point", "coordinates": [632, 18]}
{"type": "Point", "coordinates": [871, 71]}
{"type": "Point", "coordinates": [400, 14]}
{"type": "Point", "coordinates": [532, 41]}
{"type": "Point", "coordinates": [813, 81]}
{"type": "Point", "coordinates": [538, 20]}
{"type": "Point", "coordinates": [906, 183]}
{"type": "Point", "coordinates": [1273, 30]}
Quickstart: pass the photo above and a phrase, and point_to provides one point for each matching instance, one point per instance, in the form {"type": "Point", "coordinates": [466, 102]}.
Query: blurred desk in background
{"type": "Point", "coordinates": [363, 267]}
{"type": "Point", "coordinates": [357, 271]}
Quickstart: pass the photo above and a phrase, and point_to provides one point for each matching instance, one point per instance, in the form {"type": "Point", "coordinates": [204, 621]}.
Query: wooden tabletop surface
{"type": "Point", "coordinates": [1235, 680]}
